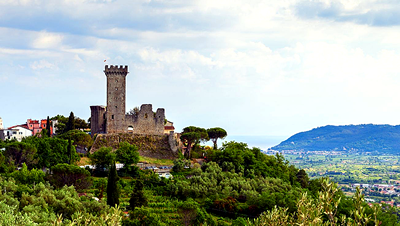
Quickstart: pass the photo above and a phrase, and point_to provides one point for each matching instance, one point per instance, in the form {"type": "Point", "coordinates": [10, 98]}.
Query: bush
{"type": "Point", "coordinates": [65, 174]}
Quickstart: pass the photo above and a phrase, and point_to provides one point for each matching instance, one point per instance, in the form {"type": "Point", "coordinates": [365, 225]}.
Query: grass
{"type": "Point", "coordinates": [84, 161]}
{"type": "Point", "coordinates": [156, 161]}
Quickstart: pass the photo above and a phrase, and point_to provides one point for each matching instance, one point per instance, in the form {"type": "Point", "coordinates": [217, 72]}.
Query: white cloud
{"type": "Point", "coordinates": [46, 40]}
{"type": "Point", "coordinates": [42, 64]}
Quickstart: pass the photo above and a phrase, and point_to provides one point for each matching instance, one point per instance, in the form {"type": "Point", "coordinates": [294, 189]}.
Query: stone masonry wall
{"type": "Point", "coordinates": [154, 146]}
{"type": "Point", "coordinates": [113, 119]}
{"type": "Point", "coordinates": [97, 119]}
{"type": "Point", "coordinates": [146, 121]}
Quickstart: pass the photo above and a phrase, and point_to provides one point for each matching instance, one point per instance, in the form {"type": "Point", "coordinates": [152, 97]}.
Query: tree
{"type": "Point", "coordinates": [138, 199]}
{"type": "Point", "coordinates": [19, 152]}
{"type": "Point", "coordinates": [134, 111]}
{"type": "Point", "coordinates": [60, 127]}
{"type": "Point", "coordinates": [69, 149]}
{"type": "Point", "coordinates": [102, 158]}
{"type": "Point", "coordinates": [79, 138]}
{"type": "Point", "coordinates": [127, 154]}
{"type": "Point", "coordinates": [302, 178]}
{"type": "Point", "coordinates": [112, 186]}
{"type": "Point", "coordinates": [191, 136]}
{"type": "Point", "coordinates": [215, 133]}
{"type": "Point", "coordinates": [80, 123]}
{"type": "Point", "coordinates": [48, 127]}
{"type": "Point", "coordinates": [71, 122]}
{"type": "Point", "coordinates": [25, 176]}
{"type": "Point", "coordinates": [65, 174]}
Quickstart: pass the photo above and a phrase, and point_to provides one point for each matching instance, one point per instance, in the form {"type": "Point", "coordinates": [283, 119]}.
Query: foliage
{"type": "Point", "coordinates": [51, 151]}
{"type": "Point", "coordinates": [61, 123]}
{"type": "Point", "coordinates": [65, 174]}
{"type": "Point", "coordinates": [48, 127]}
{"type": "Point", "coordinates": [143, 217]}
{"type": "Point", "coordinates": [102, 158]}
{"type": "Point", "coordinates": [134, 111]}
{"type": "Point", "coordinates": [138, 199]}
{"type": "Point", "coordinates": [112, 187]}
{"type": "Point", "coordinates": [18, 153]}
{"type": "Point", "coordinates": [10, 215]}
{"type": "Point", "coordinates": [191, 136]}
{"type": "Point", "coordinates": [216, 133]}
{"type": "Point", "coordinates": [5, 166]}
{"type": "Point", "coordinates": [214, 183]}
{"type": "Point", "coordinates": [127, 154]}
{"type": "Point", "coordinates": [78, 137]}
{"type": "Point", "coordinates": [251, 162]}
{"type": "Point", "coordinates": [25, 176]}
{"type": "Point", "coordinates": [65, 124]}
{"type": "Point", "coordinates": [42, 204]}
{"type": "Point", "coordinates": [71, 122]}
{"type": "Point", "coordinates": [314, 212]}
{"type": "Point", "coordinates": [180, 165]}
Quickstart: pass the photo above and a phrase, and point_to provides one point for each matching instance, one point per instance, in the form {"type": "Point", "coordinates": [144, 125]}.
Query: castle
{"type": "Point", "coordinates": [113, 118]}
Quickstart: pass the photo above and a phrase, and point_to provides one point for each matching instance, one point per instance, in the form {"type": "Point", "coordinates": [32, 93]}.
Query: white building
{"type": "Point", "coordinates": [17, 132]}
{"type": "Point", "coordinates": [1, 123]}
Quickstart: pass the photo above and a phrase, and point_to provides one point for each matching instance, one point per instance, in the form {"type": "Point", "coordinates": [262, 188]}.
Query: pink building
{"type": "Point", "coordinates": [37, 126]}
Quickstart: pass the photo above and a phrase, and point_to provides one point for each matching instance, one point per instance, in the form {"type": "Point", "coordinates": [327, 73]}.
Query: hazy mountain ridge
{"type": "Point", "coordinates": [363, 138]}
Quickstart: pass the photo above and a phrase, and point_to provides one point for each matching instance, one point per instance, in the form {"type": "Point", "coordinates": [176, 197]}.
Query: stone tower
{"type": "Point", "coordinates": [116, 94]}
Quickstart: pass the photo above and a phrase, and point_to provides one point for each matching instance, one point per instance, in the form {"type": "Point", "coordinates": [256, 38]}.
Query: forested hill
{"type": "Point", "coordinates": [358, 138]}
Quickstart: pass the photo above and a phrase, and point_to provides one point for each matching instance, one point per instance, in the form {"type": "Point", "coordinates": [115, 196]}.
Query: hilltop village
{"type": "Point", "coordinates": [132, 168]}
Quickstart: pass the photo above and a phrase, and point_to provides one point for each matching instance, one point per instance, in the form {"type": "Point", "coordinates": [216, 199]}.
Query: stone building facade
{"type": "Point", "coordinates": [113, 118]}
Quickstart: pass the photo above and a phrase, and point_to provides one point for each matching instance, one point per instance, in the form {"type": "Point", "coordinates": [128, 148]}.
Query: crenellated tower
{"type": "Point", "coordinates": [116, 94]}
{"type": "Point", "coordinates": [112, 118]}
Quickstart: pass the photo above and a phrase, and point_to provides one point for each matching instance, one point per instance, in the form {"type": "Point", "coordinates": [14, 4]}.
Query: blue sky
{"type": "Point", "coordinates": [270, 68]}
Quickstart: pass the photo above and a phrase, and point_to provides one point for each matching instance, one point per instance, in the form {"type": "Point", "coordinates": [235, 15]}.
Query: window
{"type": "Point", "coordinates": [116, 107]}
{"type": "Point", "coordinates": [14, 132]}
{"type": "Point", "coordinates": [20, 132]}
{"type": "Point", "coordinates": [145, 115]}
{"type": "Point", "coordinates": [116, 88]}
{"type": "Point", "coordinates": [44, 125]}
{"type": "Point", "coordinates": [112, 116]}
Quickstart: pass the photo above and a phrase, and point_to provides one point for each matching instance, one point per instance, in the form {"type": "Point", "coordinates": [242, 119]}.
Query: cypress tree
{"type": "Point", "coordinates": [71, 122]}
{"type": "Point", "coordinates": [112, 186]}
{"type": "Point", "coordinates": [48, 127]}
{"type": "Point", "coordinates": [138, 198]}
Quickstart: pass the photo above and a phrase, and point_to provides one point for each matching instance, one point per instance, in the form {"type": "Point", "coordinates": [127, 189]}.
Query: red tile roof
{"type": "Point", "coordinates": [23, 126]}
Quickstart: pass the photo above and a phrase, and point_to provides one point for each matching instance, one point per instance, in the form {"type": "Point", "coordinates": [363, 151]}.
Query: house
{"type": "Point", "coordinates": [17, 132]}
{"type": "Point", "coordinates": [31, 128]}
{"type": "Point", "coordinates": [37, 126]}
{"type": "Point", "coordinates": [168, 127]}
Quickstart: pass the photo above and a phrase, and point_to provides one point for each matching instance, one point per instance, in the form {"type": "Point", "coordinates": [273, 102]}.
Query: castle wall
{"type": "Point", "coordinates": [98, 119]}
{"type": "Point", "coordinates": [113, 118]}
{"type": "Point", "coordinates": [146, 121]}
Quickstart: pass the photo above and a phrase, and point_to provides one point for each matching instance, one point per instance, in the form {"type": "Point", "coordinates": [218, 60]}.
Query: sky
{"type": "Point", "coordinates": [254, 68]}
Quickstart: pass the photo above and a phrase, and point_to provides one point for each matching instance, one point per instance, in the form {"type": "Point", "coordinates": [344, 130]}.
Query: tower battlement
{"type": "Point", "coordinates": [123, 70]}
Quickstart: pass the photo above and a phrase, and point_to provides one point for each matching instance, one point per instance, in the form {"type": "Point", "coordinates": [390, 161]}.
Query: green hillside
{"type": "Point", "coordinates": [355, 138]}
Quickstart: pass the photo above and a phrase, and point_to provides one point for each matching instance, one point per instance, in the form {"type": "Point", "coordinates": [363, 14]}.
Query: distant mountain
{"type": "Point", "coordinates": [359, 138]}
